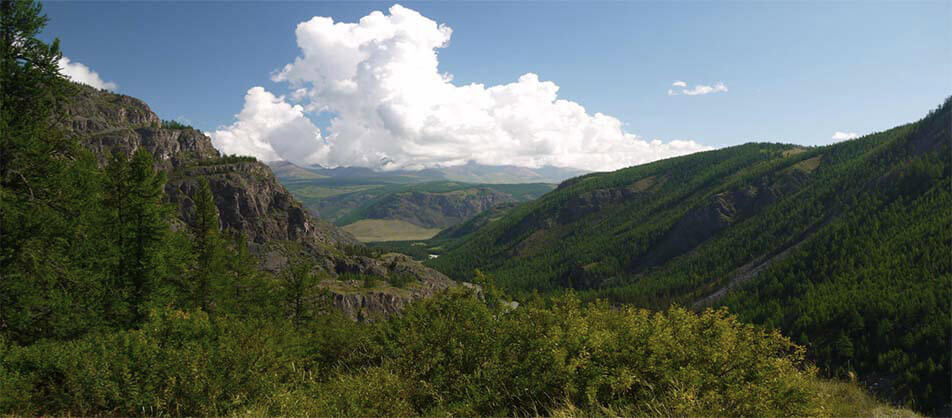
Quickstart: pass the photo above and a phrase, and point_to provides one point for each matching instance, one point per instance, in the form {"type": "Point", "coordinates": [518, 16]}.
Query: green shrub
{"type": "Point", "coordinates": [449, 355]}
{"type": "Point", "coordinates": [171, 124]}
{"type": "Point", "coordinates": [178, 363]}
{"type": "Point", "coordinates": [460, 357]}
{"type": "Point", "coordinates": [400, 280]}
{"type": "Point", "coordinates": [225, 159]}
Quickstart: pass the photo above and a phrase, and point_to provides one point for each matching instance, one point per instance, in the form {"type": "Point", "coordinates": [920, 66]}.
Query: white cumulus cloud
{"type": "Point", "coordinates": [271, 129]}
{"type": "Point", "coordinates": [80, 73]}
{"type": "Point", "coordinates": [390, 107]}
{"type": "Point", "coordinates": [843, 136]}
{"type": "Point", "coordinates": [698, 89]}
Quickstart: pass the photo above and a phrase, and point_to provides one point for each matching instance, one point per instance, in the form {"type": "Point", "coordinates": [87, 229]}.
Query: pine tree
{"type": "Point", "coordinates": [208, 246]}
{"type": "Point", "coordinates": [138, 229]}
{"type": "Point", "coordinates": [242, 290]}
{"type": "Point", "coordinates": [148, 221]}
{"type": "Point", "coordinates": [49, 284]}
{"type": "Point", "coordinates": [299, 282]}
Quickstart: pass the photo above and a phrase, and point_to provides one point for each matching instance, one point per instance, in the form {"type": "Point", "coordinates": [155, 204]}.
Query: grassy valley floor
{"type": "Point", "coordinates": [377, 230]}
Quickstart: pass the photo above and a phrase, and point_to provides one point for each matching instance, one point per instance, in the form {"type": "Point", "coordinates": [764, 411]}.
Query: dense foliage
{"type": "Point", "coordinates": [843, 247]}
{"type": "Point", "coordinates": [87, 245]}
{"type": "Point", "coordinates": [450, 355]}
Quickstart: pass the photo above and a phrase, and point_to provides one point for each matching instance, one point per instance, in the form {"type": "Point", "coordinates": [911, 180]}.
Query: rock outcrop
{"type": "Point", "coordinates": [248, 195]}
{"type": "Point", "coordinates": [383, 300]}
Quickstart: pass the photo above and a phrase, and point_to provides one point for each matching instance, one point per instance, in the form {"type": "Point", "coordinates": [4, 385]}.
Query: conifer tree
{"type": "Point", "coordinates": [242, 290]}
{"type": "Point", "coordinates": [139, 231]}
{"type": "Point", "coordinates": [148, 221]}
{"type": "Point", "coordinates": [48, 283]}
{"type": "Point", "coordinates": [208, 246]}
{"type": "Point", "coordinates": [115, 200]}
{"type": "Point", "coordinates": [299, 282]}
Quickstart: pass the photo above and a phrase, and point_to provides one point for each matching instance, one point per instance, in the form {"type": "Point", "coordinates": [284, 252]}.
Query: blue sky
{"type": "Point", "coordinates": [795, 72]}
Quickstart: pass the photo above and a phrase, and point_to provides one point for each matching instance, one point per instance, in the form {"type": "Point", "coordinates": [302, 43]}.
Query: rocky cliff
{"type": "Point", "coordinates": [248, 196]}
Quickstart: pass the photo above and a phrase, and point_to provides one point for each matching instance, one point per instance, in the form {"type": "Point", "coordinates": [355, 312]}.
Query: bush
{"type": "Point", "coordinates": [225, 159]}
{"type": "Point", "coordinates": [178, 363]}
{"type": "Point", "coordinates": [171, 124]}
{"type": "Point", "coordinates": [400, 280]}
{"type": "Point", "coordinates": [449, 355]}
{"type": "Point", "coordinates": [460, 357]}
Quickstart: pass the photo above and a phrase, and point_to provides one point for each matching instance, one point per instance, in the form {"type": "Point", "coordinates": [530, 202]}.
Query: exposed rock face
{"type": "Point", "coordinates": [248, 196]}
{"type": "Point", "coordinates": [575, 208]}
{"type": "Point", "coordinates": [250, 199]}
{"type": "Point", "coordinates": [384, 300]}
{"type": "Point", "coordinates": [721, 211]}
{"type": "Point", "coordinates": [104, 120]}
{"type": "Point", "coordinates": [592, 202]}
{"type": "Point", "coordinates": [596, 200]}
{"type": "Point", "coordinates": [371, 304]}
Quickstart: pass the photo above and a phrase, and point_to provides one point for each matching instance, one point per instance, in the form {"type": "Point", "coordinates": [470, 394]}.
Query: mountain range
{"type": "Point", "coordinates": [405, 205]}
{"type": "Point", "coordinates": [470, 172]}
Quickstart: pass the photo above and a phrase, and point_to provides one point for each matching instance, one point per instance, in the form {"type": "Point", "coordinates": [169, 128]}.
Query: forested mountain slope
{"type": "Point", "coordinates": [844, 247]}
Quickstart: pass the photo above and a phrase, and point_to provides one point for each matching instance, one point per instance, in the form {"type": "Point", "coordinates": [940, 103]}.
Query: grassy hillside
{"type": "Point", "coordinates": [508, 174]}
{"type": "Point", "coordinates": [844, 247]}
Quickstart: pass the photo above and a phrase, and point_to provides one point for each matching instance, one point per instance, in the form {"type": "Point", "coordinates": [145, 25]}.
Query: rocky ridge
{"type": "Point", "coordinates": [248, 195]}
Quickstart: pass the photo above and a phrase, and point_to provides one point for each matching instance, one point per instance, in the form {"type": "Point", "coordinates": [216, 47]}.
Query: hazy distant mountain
{"type": "Point", "coordinates": [287, 169]}
{"type": "Point", "coordinates": [478, 173]}
{"type": "Point", "coordinates": [469, 173]}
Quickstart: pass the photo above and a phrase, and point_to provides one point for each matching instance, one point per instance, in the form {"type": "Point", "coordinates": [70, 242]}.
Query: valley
{"type": "Point", "coordinates": [402, 205]}
{"type": "Point", "coordinates": [381, 239]}
{"type": "Point", "coordinates": [382, 230]}
{"type": "Point", "coordinates": [750, 228]}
